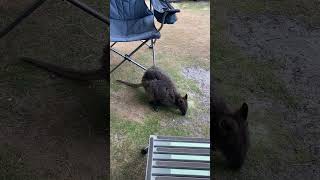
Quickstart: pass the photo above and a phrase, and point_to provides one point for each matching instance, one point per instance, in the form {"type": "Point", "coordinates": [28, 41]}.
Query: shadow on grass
{"type": "Point", "coordinates": [134, 168]}
{"type": "Point", "coordinates": [56, 127]}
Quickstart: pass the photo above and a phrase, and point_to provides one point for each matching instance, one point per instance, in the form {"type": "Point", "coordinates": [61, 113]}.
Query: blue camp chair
{"type": "Point", "coordinates": [132, 20]}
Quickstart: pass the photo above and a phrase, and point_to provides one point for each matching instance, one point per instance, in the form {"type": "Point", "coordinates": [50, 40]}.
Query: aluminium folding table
{"type": "Point", "coordinates": [177, 158]}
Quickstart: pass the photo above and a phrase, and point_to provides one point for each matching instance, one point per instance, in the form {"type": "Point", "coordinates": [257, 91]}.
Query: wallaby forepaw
{"type": "Point", "coordinates": [154, 106]}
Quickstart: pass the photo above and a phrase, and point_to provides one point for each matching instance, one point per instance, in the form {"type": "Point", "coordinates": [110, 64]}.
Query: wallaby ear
{"type": "Point", "coordinates": [186, 96]}
{"type": "Point", "coordinates": [243, 111]}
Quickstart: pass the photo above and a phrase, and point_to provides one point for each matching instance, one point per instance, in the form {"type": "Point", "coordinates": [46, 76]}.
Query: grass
{"type": "Point", "coordinates": [11, 165]}
{"type": "Point", "coordinates": [132, 118]}
{"type": "Point", "coordinates": [128, 138]}
{"type": "Point", "coordinates": [60, 33]}
{"type": "Point", "coordinates": [308, 10]}
{"type": "Point", "coordinates": [245, 79]}
{"type": "Point", "coordinates": [258, 77]}
{"type": "Point", "coordinates": [274, 150]}
{"type": "Point", "coordinates": [138, 133]}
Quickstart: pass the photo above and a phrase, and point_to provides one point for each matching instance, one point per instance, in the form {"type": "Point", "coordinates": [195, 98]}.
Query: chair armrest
{"type": "Point", "coordinates": [162, 6]}
{"type": "Point", "coordinates": [164, 11]}
{"type": "Point", "coordinates": [172, 10]}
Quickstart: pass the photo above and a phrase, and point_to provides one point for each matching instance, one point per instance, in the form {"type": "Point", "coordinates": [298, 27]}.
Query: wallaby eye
{"type": "Point", "coordinates": [223, 124]}
{"type": "Point", "coordinates": [226, 126]}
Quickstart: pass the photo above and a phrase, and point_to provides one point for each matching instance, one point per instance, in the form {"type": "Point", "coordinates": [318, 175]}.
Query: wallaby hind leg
{"type": "Point", "coordinates": [154, 105]}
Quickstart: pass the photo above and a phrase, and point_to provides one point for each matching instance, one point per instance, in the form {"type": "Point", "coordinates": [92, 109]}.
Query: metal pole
{"type": "Point", "coordinates": [114, 43]}
{"type": "Point", "coordinates": [153, 52]}
{"type": "Point", "coordinates": [24, 15]}
{"type": "Point", "coordinates": [134, 51]}
{"type": "Point", "coordinates": [89, 10]}
{"type": "Point", "coordinates": [126, 57]}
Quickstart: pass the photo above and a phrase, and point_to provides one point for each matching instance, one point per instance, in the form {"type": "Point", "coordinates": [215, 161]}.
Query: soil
{"type": "Point", "coordinates": [50, 127]}
{"type": "Point", "coordinates": [293, 46]}
{"type": "Point", "coordinates": [277, 38]}
{"type": "Point", "coordinates": [202, 77]}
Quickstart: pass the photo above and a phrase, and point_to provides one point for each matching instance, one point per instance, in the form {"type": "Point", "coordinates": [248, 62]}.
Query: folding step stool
{"type": "Point", "coordinates": [177, 158]}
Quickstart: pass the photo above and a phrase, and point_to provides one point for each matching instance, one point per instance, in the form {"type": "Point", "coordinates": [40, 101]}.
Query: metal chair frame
{"type": "Point", "coordinates": [127, 57]}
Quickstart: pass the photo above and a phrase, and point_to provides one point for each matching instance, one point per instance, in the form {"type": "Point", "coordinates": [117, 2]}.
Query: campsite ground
{"type": "Point", "coordinates": [267, 53]}
{"type": "Point", "coordinates": [48, 125]}
{"type": "Point", "coordinates": [183, 52]}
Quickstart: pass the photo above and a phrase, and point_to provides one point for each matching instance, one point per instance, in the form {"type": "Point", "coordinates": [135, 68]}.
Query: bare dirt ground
{"type": "Point", "coordinates": [283, 50]}
{"type": "Point", "coordinates": [50, 127]}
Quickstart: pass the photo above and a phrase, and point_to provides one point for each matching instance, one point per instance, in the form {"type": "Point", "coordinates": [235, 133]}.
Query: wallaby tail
{"type": "Point", "coordinates": [69, 73]}
{"type": "Point", "coordinates": [130, 84]}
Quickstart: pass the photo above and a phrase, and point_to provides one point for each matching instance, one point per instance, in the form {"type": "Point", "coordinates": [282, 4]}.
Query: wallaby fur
{"type": "Point", "coordinates": [230, 130]}
{"type": "Point", "coordinates": [99, 74]}
{"type": "Point", "coordinates": [161, 90]}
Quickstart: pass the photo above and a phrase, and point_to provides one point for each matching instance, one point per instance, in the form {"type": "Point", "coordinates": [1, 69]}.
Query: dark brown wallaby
{"type": "Point", "coordinates": [99, 74]}
{"type": "Point", "coordinates": [230, 131]}
{"type": "Point", "coordinates": [161, 90]}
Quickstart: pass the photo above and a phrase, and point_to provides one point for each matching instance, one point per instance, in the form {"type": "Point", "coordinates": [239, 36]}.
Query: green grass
{"type": "Point", "coordinates": [250, 76]}
{"type": "Point", "coordinates": [308, 10]}
{"type": "Point", "coordinates": [274, 149]}
{"type": "Point", "coordinates": [247, 74]}
{"type": "Point", "coordinates": [138, 133]}
{"type": "Point", "coordinates": [125, 158]}
{"type": "Point", "coordinates": [12, 166]}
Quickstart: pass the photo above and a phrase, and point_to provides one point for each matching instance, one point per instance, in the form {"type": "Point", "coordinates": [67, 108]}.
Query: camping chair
{"type": "Point", "coordinates": [38, 3]}
{"type": "Point", "coordinates": [177, 158]}
{"type": "Point", "coordinates": [132, 20]}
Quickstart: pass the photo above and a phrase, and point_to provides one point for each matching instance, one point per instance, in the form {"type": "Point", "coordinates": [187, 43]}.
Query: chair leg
{"type": "Point", "coordinates": [114, 43]}
{"type": "Point", "coordinates": [137, 64]}
{"type": "Point", "coordinates": [24, 15]}
{"type": "Point", "coordinates": [118, 65]}
{"type": "Point", "coordinates": [153, 53]}
{"type": "Point", "coordinates": [127, 58]}
{"type": "Point", "coordinates": [145, 150]}
{"type": "Point", "coordinates": [149, 46]}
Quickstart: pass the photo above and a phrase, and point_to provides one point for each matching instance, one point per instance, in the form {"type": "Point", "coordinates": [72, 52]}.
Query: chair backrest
{"type": "Point", "coordinates": [128, 9]}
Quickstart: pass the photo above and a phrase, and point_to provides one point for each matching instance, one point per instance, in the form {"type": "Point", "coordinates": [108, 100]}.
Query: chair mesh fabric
{"type": "Point", "coordinates": [131, 20]}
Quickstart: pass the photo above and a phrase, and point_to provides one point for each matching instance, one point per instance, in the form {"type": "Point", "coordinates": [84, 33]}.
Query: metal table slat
{"type": "Point", "coordinates": [180, 172]}
{"type": "Point", "coordinates": [183, 139]}
{"type": "Point", "coordinates": [177, 178]}
{"type": "Point", "coordinates": [182, 165]}
{"type": "Point", "coordinates": [174, 150]}
{"type": "Point", "coordinates": [180, 144]}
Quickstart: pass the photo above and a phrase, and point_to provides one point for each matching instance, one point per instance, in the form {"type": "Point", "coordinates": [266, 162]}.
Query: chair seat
{"type": "Point", "coordinates": [133, 30]}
